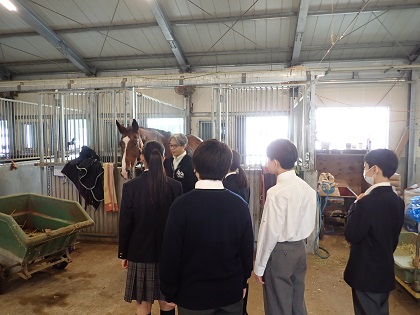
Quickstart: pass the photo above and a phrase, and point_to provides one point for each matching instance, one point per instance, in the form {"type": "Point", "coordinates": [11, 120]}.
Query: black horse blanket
{"type": "Point", "coordinates": [86, 173]}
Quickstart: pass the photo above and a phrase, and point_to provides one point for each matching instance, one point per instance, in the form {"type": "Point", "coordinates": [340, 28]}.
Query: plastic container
{"type": "Point", "coordinates": [403, 258]}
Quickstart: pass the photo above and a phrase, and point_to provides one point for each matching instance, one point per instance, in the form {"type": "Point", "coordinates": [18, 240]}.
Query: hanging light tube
{"type": "Point", "coordinates": [8, 5]}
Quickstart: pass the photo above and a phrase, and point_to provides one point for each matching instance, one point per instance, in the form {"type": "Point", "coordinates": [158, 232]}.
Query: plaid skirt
{"type": "Point", "coordinates": [143, 282]}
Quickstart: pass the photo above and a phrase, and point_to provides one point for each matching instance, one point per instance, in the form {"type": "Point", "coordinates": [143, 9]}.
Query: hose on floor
{"type": "Point", "coordinates": [318, 249]}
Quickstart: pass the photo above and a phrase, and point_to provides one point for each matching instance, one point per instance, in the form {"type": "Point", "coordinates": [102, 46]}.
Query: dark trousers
{"type": "Point", "coordinates": [368, 303]}
{"type": "Point", "coordinates": [233, 309]}
{"type": "Point", "coordinates": [244, 312]}
{"type": "Point", "coordinates": [284, 279]}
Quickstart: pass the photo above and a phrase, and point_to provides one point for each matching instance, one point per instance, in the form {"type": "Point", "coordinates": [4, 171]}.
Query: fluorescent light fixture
{"type": "Point", "coordinates": [8, 5]}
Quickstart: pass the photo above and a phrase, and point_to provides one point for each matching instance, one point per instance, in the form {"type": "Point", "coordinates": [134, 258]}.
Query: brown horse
{"type": "Point", "coordinates": [131, 145]}
{"type": "Point", "coordinates": [134, 132]}
{"type": "Point", "coordinates": [147, 134]}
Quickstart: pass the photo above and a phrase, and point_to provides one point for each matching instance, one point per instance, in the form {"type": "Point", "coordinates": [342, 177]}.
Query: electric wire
{"type": "Point", "coordinates": [342, 35]}
{"type": "Point", "coordinates": [229, 27]}
{"type": "Point", "coordinates": [96, 31]}
{"type": "Point", "coordinates": [107, 32]}
{"type": "Point", "coordinates": [370, 21]}
{"type": "Point", "coordinates": [399, 45]}
{"type": "Point", "coordinates": [318, 249]}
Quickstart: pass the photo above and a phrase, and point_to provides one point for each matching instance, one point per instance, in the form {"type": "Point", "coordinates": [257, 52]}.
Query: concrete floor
{"type": "Point", "coordinates": [94, 283]}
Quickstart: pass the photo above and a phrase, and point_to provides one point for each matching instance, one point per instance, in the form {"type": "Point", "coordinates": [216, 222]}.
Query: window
{"type": "Point", "coordinates": [4, 138]}
{"type": "Point", "coordinates": [29, 136]}
{"type": "Point", "coordinates": [174, 125]}
{"type": "Point", "coordinates": [344, 127]}
{"type": "Point", "coordinates": [205, 130]}
{"type": "Point", "coordinates": [259, 132]}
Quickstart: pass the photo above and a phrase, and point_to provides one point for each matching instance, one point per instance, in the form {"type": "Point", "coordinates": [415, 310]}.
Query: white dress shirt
{"type": "Point", "coordinates": [289, 215]}
{"type": "Point", "coordinates": [209, 184]}
{"type": "Point", "coordinates": [178, 159]}
{"type": "Point", "coordinates": [367, 192]}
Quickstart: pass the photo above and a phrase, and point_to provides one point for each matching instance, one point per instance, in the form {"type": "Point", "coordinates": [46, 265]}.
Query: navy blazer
{"type": "Point", "coordinates": [373, 226]}
{"type": "Point", "coordinates": [232, 183]}
{"type": "Point", "coordinates": [184, 173]}
{"type": "Point", "coordinates": [142, 225]}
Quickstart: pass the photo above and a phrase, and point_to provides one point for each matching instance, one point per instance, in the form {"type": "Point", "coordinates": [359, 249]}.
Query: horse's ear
{"type": "Point", "coordinates": [135, 125]}
{"type": "Point", "coordinates": [121, 128]}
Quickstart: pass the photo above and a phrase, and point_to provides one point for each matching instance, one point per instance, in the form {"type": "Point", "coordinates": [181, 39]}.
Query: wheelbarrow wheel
{"type": "Point", "coordinates": [3, 278]}
{"type": "Point", "coordinates": [61, 265]}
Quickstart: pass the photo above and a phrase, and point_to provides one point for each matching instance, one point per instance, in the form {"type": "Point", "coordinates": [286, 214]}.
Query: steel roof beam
{"type": "Point", "coordinates": [3, 74]}
{"type": "Point", "coordinates": [414, 55]}
{"type": "Point", "coordinates": [300, 30]}
{"type": "Point", "coordinates": [221, 53]}
{"type": "Point", "coordinates": [211, 20]}
{"type": "Point", "coordinates": [33, 20]}
{"type": "Point", "coordinates": [167, 30]}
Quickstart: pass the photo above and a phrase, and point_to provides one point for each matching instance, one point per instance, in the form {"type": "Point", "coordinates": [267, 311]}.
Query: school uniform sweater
{"type": "Point", "coordinates": [141, 224]}
{"type": "Point", "coordinates": [207, 250]}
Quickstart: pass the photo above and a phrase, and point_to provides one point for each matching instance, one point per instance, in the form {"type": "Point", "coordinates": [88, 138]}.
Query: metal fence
{"type": "Point", "coordinates": [19, 130]}
{"type": "Point", "coordinates": [247, 117]}
{"type": "Point", "coordinates": [53, 131]}
{"type": "Point", "coordinates": [73, 119]}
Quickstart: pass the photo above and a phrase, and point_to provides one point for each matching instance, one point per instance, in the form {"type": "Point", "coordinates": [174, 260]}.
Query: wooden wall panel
{"type": "Point", "coordinates": [343, 166]}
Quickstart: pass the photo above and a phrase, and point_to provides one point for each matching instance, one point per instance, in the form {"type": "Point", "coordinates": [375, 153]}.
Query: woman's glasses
{"type": "Point", "coordinates": [173, 146]}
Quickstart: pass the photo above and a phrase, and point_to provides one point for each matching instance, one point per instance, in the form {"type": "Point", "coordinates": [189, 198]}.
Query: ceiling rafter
{"type": "Point", "coordinates": [105, 28]}
{"type": "Point", "coordinates": [221, 53]}
{"type": "Point", "coordinates": [300, 30]}
{"type": "Point", "coordinates": [33, 20]}
{"type": "Point", "coordinates": [3, 74]}
{"type": "Point", "coordinates": [414, 56]}
{"type": "Point", "coordinates": [167, 30]}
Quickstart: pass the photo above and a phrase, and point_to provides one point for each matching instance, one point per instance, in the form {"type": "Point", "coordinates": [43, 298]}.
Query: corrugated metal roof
{"type": "Point", "coordinates": [118, 35]}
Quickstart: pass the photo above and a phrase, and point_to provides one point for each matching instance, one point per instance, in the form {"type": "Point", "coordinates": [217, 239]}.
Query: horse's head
{"type": "Point", "coordinates": [131, 145]}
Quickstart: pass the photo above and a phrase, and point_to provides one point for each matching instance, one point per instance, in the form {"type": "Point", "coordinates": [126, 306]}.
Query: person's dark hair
{"type": "Point", "coordinates": [236, 165]}
{"type": "Point", "coordinates": [283, 151]}
{"type": "Point", "coordinates": [157, 182]}
{"type": "Point", "coordinates": [385, 159]}
{"type": "Point", "coordinates": [212, 159]}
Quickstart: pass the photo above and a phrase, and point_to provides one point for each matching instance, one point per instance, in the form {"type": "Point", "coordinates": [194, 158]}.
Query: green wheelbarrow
{"type": "Point", "coordinates": [37, 232]}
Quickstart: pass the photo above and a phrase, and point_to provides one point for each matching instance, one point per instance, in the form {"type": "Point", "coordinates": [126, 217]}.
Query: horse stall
{"type": "Point", "coordinates": [38, 139]}
{"type": "Point", "coordinates": [50, 134]}
{"type": "Point", "coordinates": [18, 152]}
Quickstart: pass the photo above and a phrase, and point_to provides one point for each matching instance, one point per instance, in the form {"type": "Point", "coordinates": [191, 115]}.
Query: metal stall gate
{"type": "Point", "coordinates": [19, 147]}
{"type": "Point", "coordinates": [154, 113]}
{"type": "Point", "coordinates": [87, 118]}
{"type": "Point", "coordinates": [245, 118]}
{"type": "Point", "coordinates": [71, 120]}
{"type": "Point", "coordinates": [249, 118]}
{"type": "Point", "coordinates": [19, 130]}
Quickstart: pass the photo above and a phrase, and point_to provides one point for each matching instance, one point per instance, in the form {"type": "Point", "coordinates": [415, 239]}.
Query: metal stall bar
{"type": "Point", "coordinates": [154, 113]}
{"type": "Point", "coordinates": [89, 119]}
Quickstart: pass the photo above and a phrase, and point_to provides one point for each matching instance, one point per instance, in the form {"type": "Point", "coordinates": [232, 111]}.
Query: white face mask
{"type": "Point", "coordinates": [369, 179]}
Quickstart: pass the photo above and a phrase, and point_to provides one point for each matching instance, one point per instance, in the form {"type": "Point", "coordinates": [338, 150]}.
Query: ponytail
{"type": "Point", "coordinates": [156, 180]}
{"type": "Point", "coordinates": [236, 165]}
{"type": "Point", "coordinates": [242, 179]}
